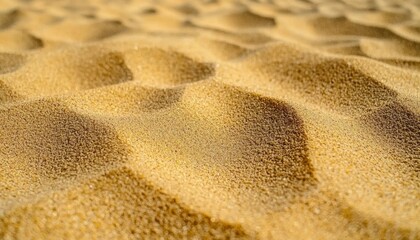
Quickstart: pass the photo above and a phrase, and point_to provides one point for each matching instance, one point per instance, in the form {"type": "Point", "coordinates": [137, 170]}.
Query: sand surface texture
{"type": "Point", "coordinates": [281, 119]}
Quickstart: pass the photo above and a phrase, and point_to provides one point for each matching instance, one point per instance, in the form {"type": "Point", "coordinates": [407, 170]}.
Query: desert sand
{"type": "Point", "coordinates": [281, 119]}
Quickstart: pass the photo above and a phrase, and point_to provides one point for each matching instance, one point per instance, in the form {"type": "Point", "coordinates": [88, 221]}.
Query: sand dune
{"type": "Point", "coordinates": [234, 119]}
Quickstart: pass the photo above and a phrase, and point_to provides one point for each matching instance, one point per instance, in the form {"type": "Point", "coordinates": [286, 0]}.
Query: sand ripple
{"type": "Point", "coordinates": [210, 119]}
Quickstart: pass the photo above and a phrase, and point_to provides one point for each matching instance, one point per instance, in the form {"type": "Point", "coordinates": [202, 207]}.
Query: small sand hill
{"type": "Point", "coordinates": [235, 119]}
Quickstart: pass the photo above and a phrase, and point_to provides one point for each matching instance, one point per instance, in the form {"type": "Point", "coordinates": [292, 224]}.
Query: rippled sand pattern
{"type": "Point", "coordinates": [275, 119]}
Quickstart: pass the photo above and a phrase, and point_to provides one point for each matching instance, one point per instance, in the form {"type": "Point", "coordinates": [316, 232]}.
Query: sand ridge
{"type": "Point", "coordinates": [234, 119]}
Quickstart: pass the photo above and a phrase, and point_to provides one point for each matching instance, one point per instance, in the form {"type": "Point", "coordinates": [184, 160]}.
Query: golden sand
{"type": "Point", "coordinates": [282, 119]}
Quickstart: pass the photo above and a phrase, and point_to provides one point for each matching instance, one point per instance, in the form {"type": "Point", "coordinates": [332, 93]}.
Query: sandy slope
{"type": "Point", "coordinates": [281, 119]}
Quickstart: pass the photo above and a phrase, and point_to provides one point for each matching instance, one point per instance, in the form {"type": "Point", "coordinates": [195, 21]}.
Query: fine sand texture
{"type": "Point", "coordinates": [210, 119]}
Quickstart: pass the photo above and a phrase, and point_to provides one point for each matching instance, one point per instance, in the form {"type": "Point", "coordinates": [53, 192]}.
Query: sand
{"type": "Point", "coordinates": [282, 119]}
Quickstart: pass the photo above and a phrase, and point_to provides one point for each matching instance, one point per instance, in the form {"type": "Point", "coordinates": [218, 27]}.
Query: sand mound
{"type": "Point", "coordinates": [18, 40]}
{"type": "Point", "coordinates": [68, 71]}
{"type": "Point", "coordinates": [113, 193]}
{"type": "Point", "coordinates": [155, 67]}
{"type": "Point", "coordinates": [209, 119]}
{"type": "Point", "coordinates": [237, 20]}
{"type": "Point", "coordinates": [81, 30]}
